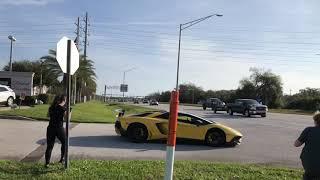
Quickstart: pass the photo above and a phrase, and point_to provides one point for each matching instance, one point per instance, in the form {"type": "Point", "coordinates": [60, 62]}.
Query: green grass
{"type": "Point", "coordinates": [291, 111]}
{"type": "Point", "coordinates": [90, 112]}
{"type": "Point", "coordinates": [90, 169]}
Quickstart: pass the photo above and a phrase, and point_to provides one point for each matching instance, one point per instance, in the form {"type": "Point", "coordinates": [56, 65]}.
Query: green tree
{"type": "Point", "coordinates": [263, 85]}
{"type": "Point", "coordinates": [85, 75]}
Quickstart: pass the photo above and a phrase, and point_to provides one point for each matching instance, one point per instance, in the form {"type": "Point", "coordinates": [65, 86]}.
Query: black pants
{"type": "Point", "coordinates": [311, 176]}
{"type": "Point", "coordinates": [52, 133]}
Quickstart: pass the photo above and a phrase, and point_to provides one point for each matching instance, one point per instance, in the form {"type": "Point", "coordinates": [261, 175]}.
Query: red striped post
{"type": "Point", "coordinates": [171, 140]}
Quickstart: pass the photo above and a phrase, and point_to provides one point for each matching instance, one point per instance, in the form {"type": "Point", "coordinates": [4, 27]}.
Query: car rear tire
{"type": "Point", "coordinates": [10, 101]}
{"type": "Point", "coordinates": [230, 112]}
{"type": "Point", "coordinates": [215, 138]}
{"type": "Point", "coordinates": [138, 133]}
{"type": "Point", "coordinates": [247, 113]}
{"type": "Point", "coordinates": [204, 107]}
{"type": "Point", "coordinates": [263, 115]}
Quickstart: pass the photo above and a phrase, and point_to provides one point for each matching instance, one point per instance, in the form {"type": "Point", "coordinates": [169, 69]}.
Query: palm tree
{"type": "Point", "coordinates": [85, 75]}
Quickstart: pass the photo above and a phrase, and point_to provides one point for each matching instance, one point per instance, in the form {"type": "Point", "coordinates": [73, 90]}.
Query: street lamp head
{"type": "Point", "coordinates": [219, 15]}
{"type": "Point", "coordinates": [11, 38]}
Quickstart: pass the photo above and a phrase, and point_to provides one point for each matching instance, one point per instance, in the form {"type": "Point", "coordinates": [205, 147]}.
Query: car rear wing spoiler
{"type": "Point", "coordinates": [120, 112]}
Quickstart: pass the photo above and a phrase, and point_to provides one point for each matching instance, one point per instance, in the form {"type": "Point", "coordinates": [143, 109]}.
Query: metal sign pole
{"type": "Point", "coordinates": [66, 165]}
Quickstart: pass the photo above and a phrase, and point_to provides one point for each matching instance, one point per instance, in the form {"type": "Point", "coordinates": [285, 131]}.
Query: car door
{"type": "Point", "coordinates": [240, 105]}
{"type": "Point", "coordinates": [3, 94]}
{"type": "Point", "coordinates": [188, 127]}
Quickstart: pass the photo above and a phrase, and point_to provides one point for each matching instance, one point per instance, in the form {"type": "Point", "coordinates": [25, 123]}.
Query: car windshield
{"type": "Point", "coordinates": [250, 101]}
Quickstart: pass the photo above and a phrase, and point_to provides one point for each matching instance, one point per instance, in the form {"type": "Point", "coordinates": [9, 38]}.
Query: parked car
{"type": "Point", "coordinates": [215, 104]}
{"type": "Point", "coordinates": [7, 96]}
{"type": "Point", "coordinates": [154, 102]}
{"type": "Point", "coordinates": [145, 101]}
{"type": "Point", "coordinates": [247, 107]}
{"type": "Point", "coordinates": [136, 101]}
{"type": "Point", "coordinates": [153, 125]}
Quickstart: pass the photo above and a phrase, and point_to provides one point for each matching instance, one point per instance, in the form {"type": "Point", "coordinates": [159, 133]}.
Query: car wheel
{"type": "Point", "coordinates": [10, 101]}
{"type": "Point", "coordinates": [230, 112]}
{"type": "Point", "coordinates": [247, 113]}
{"type": "Point", "coordinates": [214, 110]}
{"type": "Point", "coordinates": [204, 107]}
{"type": "Point", "coordinates": [264, 115]}
{"type": "Point", "coordinates": [137, 133]}
{"type": "Point", "coordinates": [215, 138]}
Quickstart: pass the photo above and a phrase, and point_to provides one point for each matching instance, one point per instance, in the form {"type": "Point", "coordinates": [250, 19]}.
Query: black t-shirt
{"type": "Point", "coordinates": [310, 155]}
{"type": "Point", "coordinates": [56, 114]}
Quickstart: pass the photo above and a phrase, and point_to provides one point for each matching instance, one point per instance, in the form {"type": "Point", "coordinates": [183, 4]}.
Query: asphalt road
{"type": "Point", "coordinates": [266, 141]}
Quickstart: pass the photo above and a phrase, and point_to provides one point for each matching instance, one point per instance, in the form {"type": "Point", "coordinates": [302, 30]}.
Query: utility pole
{"type": "Point", "coordinates": [78, 47]}
{"type": "Point", "coordinates": [86, 34]}
{"type": "Point", "coordinates": [105, 93]}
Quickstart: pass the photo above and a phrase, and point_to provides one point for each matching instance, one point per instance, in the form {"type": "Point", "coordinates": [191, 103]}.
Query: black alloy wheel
{"type": "Point", "coordinates": [138, 133]}
{"type": "Point", "coordinates": [215, 138]}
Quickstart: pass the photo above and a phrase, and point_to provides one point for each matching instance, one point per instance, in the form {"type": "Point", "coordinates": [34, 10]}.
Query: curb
{"type": "Point", "coordinates": [14, 117]}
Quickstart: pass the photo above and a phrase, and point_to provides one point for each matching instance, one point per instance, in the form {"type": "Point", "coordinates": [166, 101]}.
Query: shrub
{"type": "Point", "coordinates": [44, 98]}
{"type": "Point", "coordinates": [29, 101]}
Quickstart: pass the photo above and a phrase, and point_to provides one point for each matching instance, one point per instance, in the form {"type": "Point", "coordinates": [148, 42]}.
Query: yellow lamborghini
{"type": "Point", "coordinates": [153, 125]}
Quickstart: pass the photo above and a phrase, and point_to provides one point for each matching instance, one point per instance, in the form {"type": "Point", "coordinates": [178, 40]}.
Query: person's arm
{"type": "Point", "coordinates": [302, 138]}
{"type": "Point", "coordinates": [297, 143]}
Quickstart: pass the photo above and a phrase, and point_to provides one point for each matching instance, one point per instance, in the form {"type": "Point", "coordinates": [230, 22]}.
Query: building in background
{"type": "Point", "coordinates": [20, 82]}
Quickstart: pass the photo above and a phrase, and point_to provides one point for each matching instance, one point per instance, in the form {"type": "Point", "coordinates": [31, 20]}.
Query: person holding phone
{"type": "Point", "coordinates": [310, 155]}
{"type": "Point", "coordinates": [56, 113]}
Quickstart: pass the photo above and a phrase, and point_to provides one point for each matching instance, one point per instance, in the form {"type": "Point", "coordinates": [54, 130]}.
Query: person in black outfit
{"type": "Point", "coordinates": [56, 112]}
{"type": "Point", "coordinates": [310, 155]}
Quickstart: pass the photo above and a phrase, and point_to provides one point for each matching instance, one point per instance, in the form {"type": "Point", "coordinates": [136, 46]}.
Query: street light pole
{"type": "Point", "coordinates": [124, 77]}
{"type": "Point", "coordinates": [178, 64]}
{"type": "Point", "coordinates": [12, 39]}
{"type": "Point", "coordinates": [174, 103]}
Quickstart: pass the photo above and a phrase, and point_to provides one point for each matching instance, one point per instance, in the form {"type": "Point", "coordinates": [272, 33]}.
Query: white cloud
{"type": "Point", "coordinates": [27, 2]}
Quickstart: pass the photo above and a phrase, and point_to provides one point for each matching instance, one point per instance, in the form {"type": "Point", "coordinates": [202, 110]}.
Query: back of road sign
{"type": "Point", "coordinates": [62, 56]}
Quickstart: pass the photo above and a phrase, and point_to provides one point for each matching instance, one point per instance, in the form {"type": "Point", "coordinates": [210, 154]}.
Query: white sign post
{"type": "Point", "coordinates": [68, 59]}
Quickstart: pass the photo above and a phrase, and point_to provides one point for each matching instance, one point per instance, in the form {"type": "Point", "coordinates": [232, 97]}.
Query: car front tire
{"type": "Point", "coordinates": [263, 115]}
{"type": "Point", "coordinates": [247, 113]}
{"type": "Point", "coordinates": [138, 133]}
{"type": "Point", "coordinates": [215, 138]}
{"type": "Point", "coordinates": [10, 101]}
{"type": "Point", "coordinates": [230, 112]}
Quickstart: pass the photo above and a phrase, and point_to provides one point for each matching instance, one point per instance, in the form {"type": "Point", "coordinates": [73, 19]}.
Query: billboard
{"type": "Point", "coordinates": [123, 87]}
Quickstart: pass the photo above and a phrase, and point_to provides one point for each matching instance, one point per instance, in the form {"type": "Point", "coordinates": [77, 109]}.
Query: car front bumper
{"type": "Point", "coordinates": [118, 128]}
{"type": "Point", "coordinates": [235, 141]}
{"type": "Point", "coordinates": [257, 112]}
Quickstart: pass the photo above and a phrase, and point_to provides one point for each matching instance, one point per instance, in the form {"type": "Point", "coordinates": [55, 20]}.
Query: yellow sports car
{"type": "Point", "coordinates": [153, 125]}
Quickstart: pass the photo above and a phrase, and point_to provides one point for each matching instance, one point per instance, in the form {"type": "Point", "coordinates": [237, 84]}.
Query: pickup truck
{"type": "Point", "coordinates": [215, 104]}
{"type": "Point", "coordinates": [247, 107]}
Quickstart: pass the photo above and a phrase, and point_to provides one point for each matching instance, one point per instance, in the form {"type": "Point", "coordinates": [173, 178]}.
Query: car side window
{"type": "Point", "coordinates": [163, 116]}
{"type": "Point", "coordinates": [239, 102]}
{"type": "Point", "coordinates": [184, 118]}
{"type": "Point", "coordinates": [2, 89]}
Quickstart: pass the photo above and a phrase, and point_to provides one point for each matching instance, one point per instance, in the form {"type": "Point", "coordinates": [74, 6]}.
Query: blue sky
{"type": "Point", "coordinates": [283, 36]}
